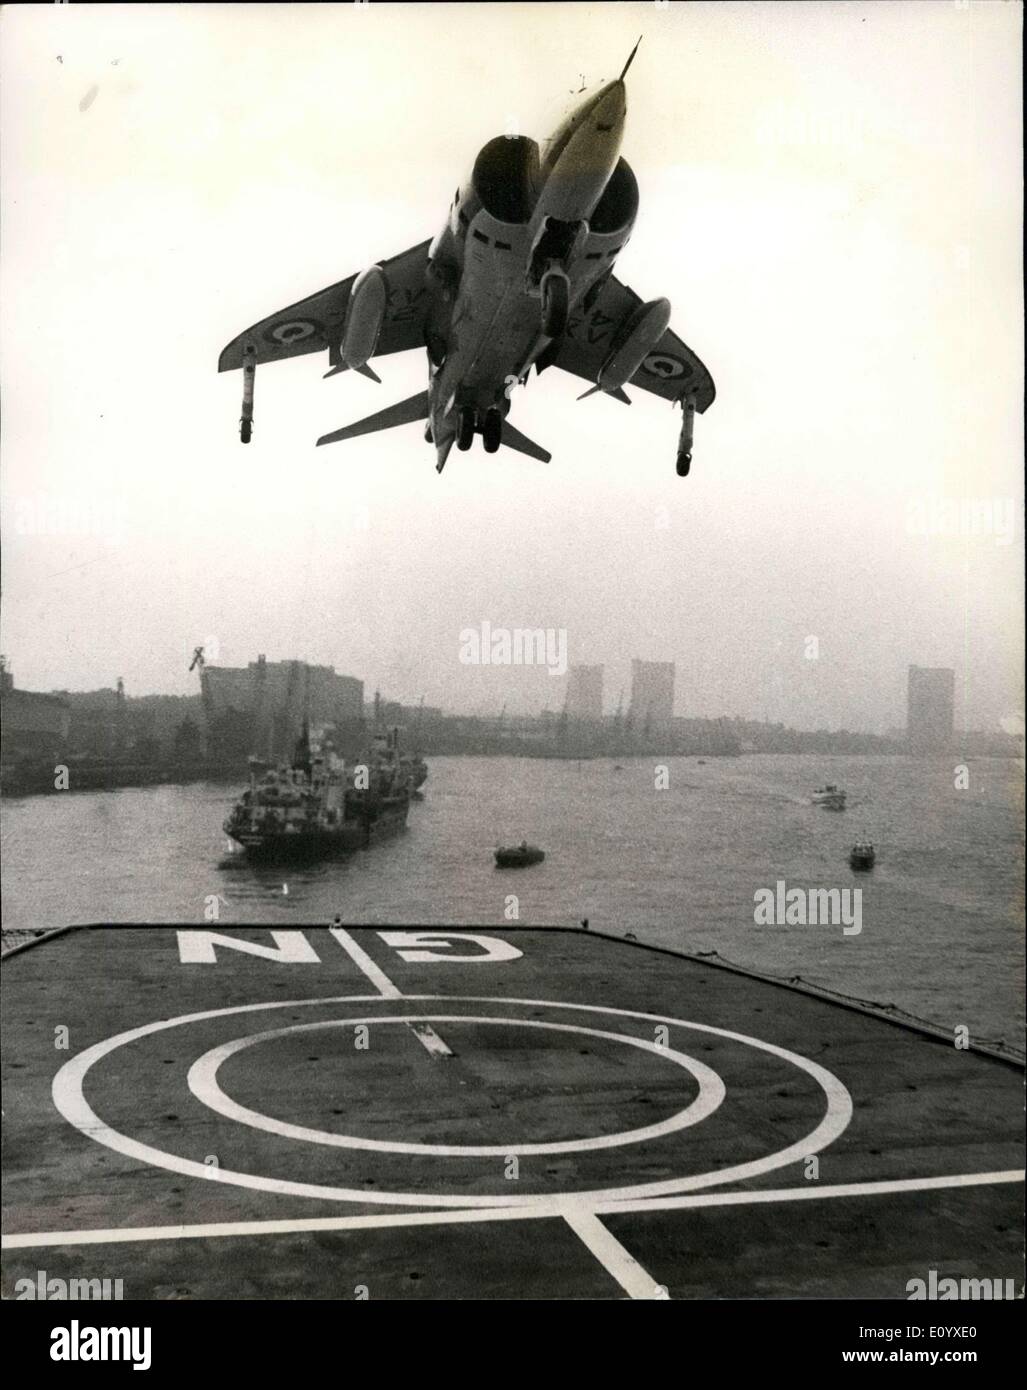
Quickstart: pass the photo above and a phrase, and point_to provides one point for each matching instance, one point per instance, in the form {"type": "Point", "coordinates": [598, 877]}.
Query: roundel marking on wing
{"type": "Point", "coordinates": [293, 331]}
{"type": "Point", "coordinates": [662, 364]}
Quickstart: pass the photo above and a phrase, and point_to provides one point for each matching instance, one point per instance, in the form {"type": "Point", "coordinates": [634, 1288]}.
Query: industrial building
{"type": "Point", "coordinates": [652, 694]}
{"type": "Point", "coordinates": [33, 725]}
{"type": "Point", "coordinates": [585, 693]}
{"type": "Point", "coordinates": [260, 708]}
{"type": "Point", "coordinates": [930, 706]}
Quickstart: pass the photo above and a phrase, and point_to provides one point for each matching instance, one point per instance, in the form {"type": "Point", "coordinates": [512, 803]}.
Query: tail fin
{"type": "Point", "coordinates": [513, 439]}
{"type": "Point", "coordinates": [403, 413]}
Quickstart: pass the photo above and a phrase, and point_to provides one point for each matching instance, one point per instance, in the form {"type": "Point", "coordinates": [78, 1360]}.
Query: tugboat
{"type": "Point", "coordinates": [830, 796]}
{"type": "Point", "coordinates": [316, 807]}
{"type": "Point", "coordinates": [862, 855]}
{"type": "Point", "coordinates": [519, 856]}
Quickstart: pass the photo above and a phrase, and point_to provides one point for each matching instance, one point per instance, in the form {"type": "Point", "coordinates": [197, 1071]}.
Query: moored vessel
{"type": "Point", "coordinates": [315, 806]}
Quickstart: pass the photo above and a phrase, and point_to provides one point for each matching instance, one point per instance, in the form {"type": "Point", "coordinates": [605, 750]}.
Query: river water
{"type": "Point", "coordinates": [679, 865]}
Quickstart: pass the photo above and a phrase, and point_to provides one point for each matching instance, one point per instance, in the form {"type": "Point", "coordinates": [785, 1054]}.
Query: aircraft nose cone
{"type": "Point", "coordinates": [609, 108]}
{"type": "Point", "coordinates": [582, 155]}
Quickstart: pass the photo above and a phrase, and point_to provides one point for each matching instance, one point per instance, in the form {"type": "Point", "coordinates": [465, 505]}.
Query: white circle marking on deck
{"type": "Point", "coordinates": [203, 1082]}
{"type": "Point", "coordinates": [70, 1101]}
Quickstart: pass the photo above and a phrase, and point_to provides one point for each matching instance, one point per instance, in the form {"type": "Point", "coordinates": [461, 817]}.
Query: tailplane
{"type": "Point", "coordinates": [513, 439]}
{"type": "Point", "coordinates": [403, 413]}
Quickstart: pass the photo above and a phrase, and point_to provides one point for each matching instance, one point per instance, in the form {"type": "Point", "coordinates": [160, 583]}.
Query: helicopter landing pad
{"type": "Point", "coordinates": [482, 1113]}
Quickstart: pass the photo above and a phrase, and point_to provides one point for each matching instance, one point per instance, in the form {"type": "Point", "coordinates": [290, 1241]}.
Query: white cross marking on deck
{"type": "Point", "coordinates": [617, 1262]}
{"type": "Point", "coordinates": [426, 1034]}
{"type": "Point", "coordinates": [363, 962]}
{"type": "Point", "coordinates": [544, 1208]}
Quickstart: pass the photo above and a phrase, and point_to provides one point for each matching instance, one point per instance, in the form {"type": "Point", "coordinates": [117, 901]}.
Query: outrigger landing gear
{"type": "Point", "coordinates": [492, 430]}
{"type": "Point", "coordinates": [249, 376]}
{"type": "Point", "coordinates": [465, 428]}
{"type": "Point", "coordinates": [685, 439]}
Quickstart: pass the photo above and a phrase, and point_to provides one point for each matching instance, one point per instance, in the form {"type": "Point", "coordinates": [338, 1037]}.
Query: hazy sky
{"type": "Point", "coordinates": [830, 198]}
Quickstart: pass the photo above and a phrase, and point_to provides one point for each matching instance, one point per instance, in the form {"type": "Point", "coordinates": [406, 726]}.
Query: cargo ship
{"type": "Point", "coordinates": [316, 806]}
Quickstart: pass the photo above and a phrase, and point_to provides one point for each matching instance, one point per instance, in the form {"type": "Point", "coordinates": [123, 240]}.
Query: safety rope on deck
{"type": "Point", "coordinates": [15, 939]}
{"type": "Point", "coordinates": [892, 1011]}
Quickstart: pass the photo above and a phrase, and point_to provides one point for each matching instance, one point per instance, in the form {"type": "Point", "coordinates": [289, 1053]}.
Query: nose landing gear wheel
{"type": "Point", "coordinates": [492, 430]}
{"type": "Point", "coordinates": [555, 303]}
{"type": "Point", "coordinates": [684, 464]}
{"type": "Point", "coordinates": [245, 431]}
{"type": "Point", "coordinates": [465, 428]}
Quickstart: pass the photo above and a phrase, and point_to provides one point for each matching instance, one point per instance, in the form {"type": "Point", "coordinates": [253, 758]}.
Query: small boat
{"type": "Point", "coordinates": [830, 796]}
{"type": "Point", "coordinates": [862, 855]}
{"type": "Point", "coordinates": [701, 762]}
{"type": "Point", "coordinates": [518, 856]}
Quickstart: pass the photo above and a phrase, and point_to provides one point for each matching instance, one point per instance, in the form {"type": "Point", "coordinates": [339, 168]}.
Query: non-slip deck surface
{"type": "Point", "coordinates": [445, 1113]}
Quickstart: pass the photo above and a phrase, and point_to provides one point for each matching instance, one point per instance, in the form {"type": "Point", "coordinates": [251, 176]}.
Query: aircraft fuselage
{"type": "Point", "coordinates": [523, 221]}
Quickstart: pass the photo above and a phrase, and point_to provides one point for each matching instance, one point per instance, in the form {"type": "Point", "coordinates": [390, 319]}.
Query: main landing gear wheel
{"type": "Point", "coordinates": [555, 303]}
{"type": "Point", "coordinates": [465, 428]}
{"type": "Point", "coordinates": [684, 464]}
{"type": "Point", "coordinates": [492, 430]}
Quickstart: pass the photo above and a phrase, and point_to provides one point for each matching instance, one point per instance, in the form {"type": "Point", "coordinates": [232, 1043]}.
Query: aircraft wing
{"type": "Point", "coordinates": [316, 323]}
{"type": "Point", "coordinates": [671, 370]}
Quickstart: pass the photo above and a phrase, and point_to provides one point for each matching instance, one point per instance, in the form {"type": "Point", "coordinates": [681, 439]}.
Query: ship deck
{"type": "Point", "coordinates": [483, 1113]}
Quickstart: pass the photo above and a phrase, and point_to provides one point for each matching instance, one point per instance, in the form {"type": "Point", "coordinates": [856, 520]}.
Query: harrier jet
{"type": "Point", "coordinates": [520, 276]}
